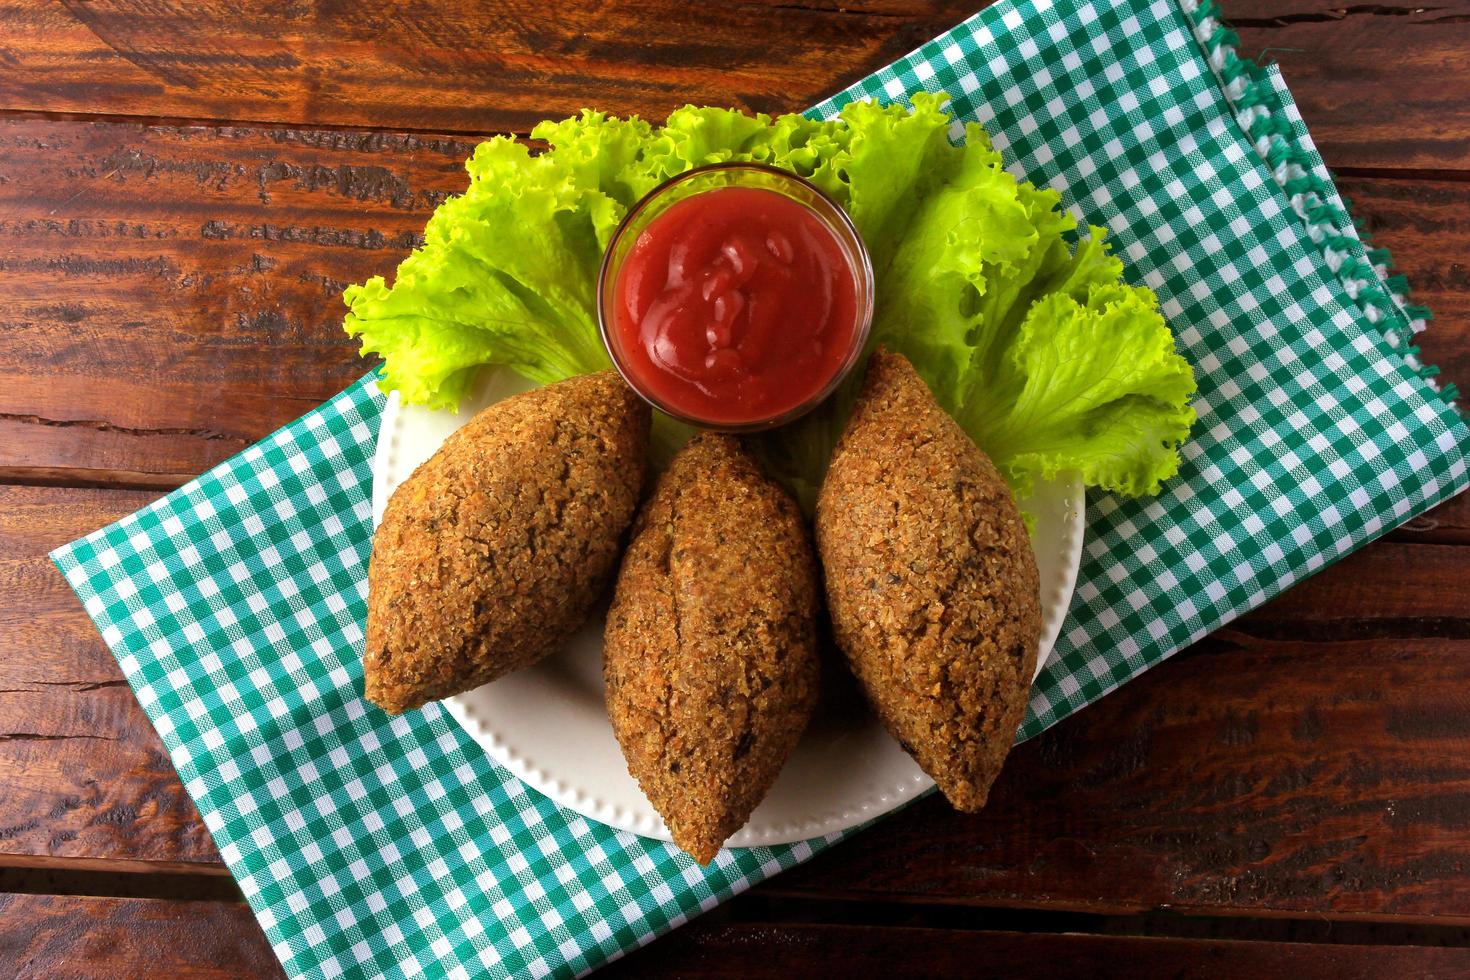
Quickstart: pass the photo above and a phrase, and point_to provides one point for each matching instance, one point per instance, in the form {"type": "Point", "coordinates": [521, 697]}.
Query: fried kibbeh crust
{"type": "Point", "coordinates": [710, 652]}
{"type": "Point", "coordinates": [494, 551]}
{"type": "Point", "coordinates": [931, 581]}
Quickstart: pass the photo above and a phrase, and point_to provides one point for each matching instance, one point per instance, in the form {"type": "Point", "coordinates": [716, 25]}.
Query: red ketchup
{"type": "Point", "coordinates": [735, 306]}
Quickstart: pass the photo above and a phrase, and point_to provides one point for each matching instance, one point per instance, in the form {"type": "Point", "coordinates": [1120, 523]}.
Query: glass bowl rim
{"type": "Point", "coordinates": [862, 268]}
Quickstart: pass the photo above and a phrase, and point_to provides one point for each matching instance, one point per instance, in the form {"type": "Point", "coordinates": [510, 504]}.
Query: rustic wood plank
{"type": "Point", "coordinates": [1426, 225]}
{"type": "Point", "coordinates": [143, 937]}
{"type": "Point", "coordinates": [61, 937]}
{"type": "Point", "coordinates": [113, 867]}
{"type": "Point", "coordinates": [82, 773]}
{"type": "Point", "coordinates": [1449, 523]}
{"type": "Point", "coordinates": [1380, 85]}
{"type": "Point", "coordinates": [1389, 587]}
{"type": "Point", "coordinates": [740, 950]}
{"type": "Point", "coordinates": [1312, 758]}
{"type": "Point", "coordinates": [1274, 776]}
{"type": "Point", "coordinates": [173, 293]}
{"type": "Point", "coordinates": [457, 67]}
{"type": "Point", "coordinates": [40, 938]}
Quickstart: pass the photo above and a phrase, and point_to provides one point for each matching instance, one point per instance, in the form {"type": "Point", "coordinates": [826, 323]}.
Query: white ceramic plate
{"type": "Point", "coordinates": [547, 724]}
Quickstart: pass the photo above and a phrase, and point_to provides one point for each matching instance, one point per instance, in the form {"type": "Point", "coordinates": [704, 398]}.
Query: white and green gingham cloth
{"type": "Point", "coordinates": [370, 845]}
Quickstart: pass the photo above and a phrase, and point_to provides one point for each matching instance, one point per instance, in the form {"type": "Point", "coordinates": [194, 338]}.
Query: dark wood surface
{"type": "Point", "coordinates": [849, 951]}
{"type": "Point", "coordinates": [185, 189]}
{"type": "Point", "coordinates": [48, 937]}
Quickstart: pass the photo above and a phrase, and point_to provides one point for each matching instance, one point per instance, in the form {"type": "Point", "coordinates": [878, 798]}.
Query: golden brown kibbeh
{"type": "Point", "coordinates": [710, 651]}
{"type": "Point", "coordinates": [931, 581]}
{"type": "Point", "coordinates": [494, 551]}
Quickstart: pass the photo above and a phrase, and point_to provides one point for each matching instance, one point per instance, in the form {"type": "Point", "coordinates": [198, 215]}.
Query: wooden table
{"type": "Point", "coordinates": [186, 188]}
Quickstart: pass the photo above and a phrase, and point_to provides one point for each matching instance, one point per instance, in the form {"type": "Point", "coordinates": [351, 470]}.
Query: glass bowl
{"type": "Point", "coordinates": [713, 177]}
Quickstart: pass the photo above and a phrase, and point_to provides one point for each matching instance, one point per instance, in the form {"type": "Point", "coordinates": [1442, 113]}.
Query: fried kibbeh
{"type": "Point", "coordinates": [931, 581]}
{"type": "Point", "coordinates": [495, 550]}
{"type": "Point", "coordinates": [710, 651]}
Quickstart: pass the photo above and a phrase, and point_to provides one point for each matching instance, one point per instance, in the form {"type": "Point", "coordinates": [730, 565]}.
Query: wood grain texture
{"type": "Point", "coordinates": [1272, 776]}
{"type": "Point", "coordinates": [1426, 225]}
{"type": "Point", "coordinates": [1449, 523]}
{"type": "Point", "coordinates": [82, 773]}
{"type": "Point", "coordinates": [1385, 589]}
{"type": "Point", "coordinates": [479, 68]}
{"type": "Point", "coordinates": [1312, 758]}
{"type": "Point", "coordinates": [46, 937]}
{"type": "Point", "coordinates": [173, 293]}
{"type": "Point", "coordinates": [729, 950]}
{"type": "Point", "coordinates": [1379, 85]}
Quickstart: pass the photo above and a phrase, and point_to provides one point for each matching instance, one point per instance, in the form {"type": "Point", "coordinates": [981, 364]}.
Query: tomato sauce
{"type": "Point", "coordinates": [736, 306]}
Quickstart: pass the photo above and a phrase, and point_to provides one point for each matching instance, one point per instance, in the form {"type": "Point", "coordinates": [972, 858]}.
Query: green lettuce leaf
{"type": "Point", "coordinates": [1038, 348]}
{"type": "Point", "coordinates": [1088, 384]}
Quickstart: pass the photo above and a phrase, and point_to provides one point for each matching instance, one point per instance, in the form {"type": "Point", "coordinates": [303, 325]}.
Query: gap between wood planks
{"type": "Point", "coordinates": [211, 122]}
{"type": "Point", "coordinates": [769, 903]}
{"type": "Point", "coordinates": [1342, 13]}
{"type": "Point", "coordinates": [217, 122]}
{"type": "Point", "coordinates": [58, 877]}
{"type": "Point", "coordinates": [772, 905]}
{"type": "Point", "coordinates": [1401, 173]}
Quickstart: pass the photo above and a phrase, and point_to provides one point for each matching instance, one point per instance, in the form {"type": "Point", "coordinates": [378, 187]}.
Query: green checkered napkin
{"type": "Point", "coordinates": [373, 845]}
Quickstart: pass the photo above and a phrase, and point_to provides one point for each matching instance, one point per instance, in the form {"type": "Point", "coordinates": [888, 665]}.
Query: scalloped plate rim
{"type": "Point", "coordinates": [399, 424]}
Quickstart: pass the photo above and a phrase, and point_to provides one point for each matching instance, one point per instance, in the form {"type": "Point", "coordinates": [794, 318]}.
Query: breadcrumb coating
{"type": "Point", "coordinates": [495, 550]}
{"type": "Point", "coordinates": [710, 651]}
{"type": "Point", "coordinates": [931, 581]}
